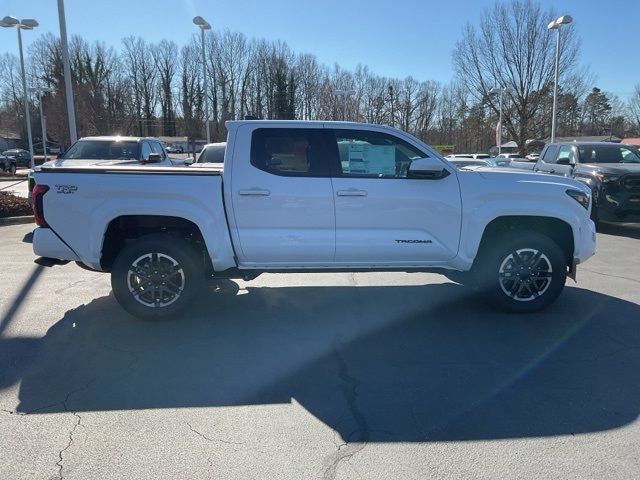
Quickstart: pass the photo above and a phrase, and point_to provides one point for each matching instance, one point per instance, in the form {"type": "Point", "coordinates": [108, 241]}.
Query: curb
{"type": "Point", "coordinates": [13, 179]}
{"type": "Point", "coordinates": [17, 220]}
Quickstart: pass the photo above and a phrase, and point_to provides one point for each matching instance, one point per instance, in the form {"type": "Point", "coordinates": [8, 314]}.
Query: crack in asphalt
{"type": "Point", "coordinates": [69, 443]}
{"type": "Point", "coordinates": [212, 440]}
{"type": "Point", "coordinates": [345, 451]}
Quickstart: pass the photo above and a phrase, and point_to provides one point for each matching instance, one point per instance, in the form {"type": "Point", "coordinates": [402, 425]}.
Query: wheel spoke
{"type": "Point", "coordinates": [535, 259]}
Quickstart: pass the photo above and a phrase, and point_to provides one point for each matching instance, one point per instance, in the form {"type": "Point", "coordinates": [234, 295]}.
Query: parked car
{"type": "Point", "coordinates": [498, 162]}
{"type": "Point", "coordinates": [468, 162]}
{"type": "Point", "coordinates": [611, 170]}
{"type": "Point", "coordinates": [110, 150]}
{"type": "Point", "coordinates": [294, 201]}
{"type": "Point", "coordinates": [532, 157]}
{"type": "Point", "coordinates": [510, 155]}
{"type": "Point", "coordinates": [212, 153]}
{"type": "Point", "coordinates": [21, 158]}
{"type": "Point", "coordinates": [477, 156]}
{"type": "Point", "coordinates": [175, 149]}
{"type": "Point", "coordinates": [7, 164]}
{"type": "Point", "coordinates": [521, 164]}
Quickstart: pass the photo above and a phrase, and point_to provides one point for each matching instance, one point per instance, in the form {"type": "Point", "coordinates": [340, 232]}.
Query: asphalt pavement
{"type": "Point", "coordinates": [327, 376]}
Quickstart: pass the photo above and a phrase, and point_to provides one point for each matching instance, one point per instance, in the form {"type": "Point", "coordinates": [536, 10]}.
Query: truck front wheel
{"type": "Point", "coordinates": [156, 276]}
{"type": "Point", "coordinates": [524, 273]}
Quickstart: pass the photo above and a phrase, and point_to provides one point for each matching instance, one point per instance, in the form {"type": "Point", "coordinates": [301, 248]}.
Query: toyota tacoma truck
{"type": "Point", "coordinates": [297, 196]}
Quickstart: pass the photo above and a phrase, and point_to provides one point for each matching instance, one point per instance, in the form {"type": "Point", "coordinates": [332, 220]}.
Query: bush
{"type": "Point", "coordinates": [12, 206]}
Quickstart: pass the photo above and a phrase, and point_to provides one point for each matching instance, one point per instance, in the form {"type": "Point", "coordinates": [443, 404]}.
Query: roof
{"type": "Point", "coordinates": [593, 138]}
{"type": "Point", "coordinates": [635, 141]}
{"type": "Point", "coordinates": [585, 143]}
{"type": "Point", "coordinates": [117, 138]}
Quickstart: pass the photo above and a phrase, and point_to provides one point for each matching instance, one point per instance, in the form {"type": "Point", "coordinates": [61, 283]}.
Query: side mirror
{"type": "Point", "coordinates": [189, 161]}
{"type": "Point", "coordinates": [154, 158]}
{"type": "Point", "coordinates": [427, 168]}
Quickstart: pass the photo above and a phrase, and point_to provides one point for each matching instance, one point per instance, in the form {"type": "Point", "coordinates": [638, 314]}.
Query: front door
{"type": "Point", "coordinates": [382, 216]}
{"type": "Point", "coordinates": [283, 209]}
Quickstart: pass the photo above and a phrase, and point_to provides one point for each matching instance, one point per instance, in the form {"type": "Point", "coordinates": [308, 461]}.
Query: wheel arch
{"type": "Point", "coordinates": [125, 228]}
{"type": "Point", "coordinates": [556, 229]}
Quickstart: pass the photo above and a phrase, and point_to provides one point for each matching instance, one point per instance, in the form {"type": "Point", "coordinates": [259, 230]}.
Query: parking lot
{"type": "Point", "coordinates": [319, 376]}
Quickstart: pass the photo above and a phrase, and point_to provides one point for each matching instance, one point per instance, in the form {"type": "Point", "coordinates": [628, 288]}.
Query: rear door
{"type": "Point", "coordinates": [385, 218]}
{"type": "Point", "coordinates": [282, 200]}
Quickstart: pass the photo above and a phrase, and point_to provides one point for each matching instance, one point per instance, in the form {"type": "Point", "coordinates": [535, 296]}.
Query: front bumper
{"type": "Point", "coordinates": [47, 244]}
{"type": "Point", "coordinates": [618, 205]}
{"type": "Point", "coordinates": [585, 242]}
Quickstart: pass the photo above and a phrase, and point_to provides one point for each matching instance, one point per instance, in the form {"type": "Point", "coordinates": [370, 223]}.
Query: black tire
{"type": "Point", "coordinates": [164, 271]}
{"type": "Point", "coordinates": [12, 169]}
{"type": "Point", "coordinates": [524, 273]}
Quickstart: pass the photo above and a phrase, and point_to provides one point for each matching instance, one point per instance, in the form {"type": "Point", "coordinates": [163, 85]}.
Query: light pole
{"type": "Point", "coordinates": [43, 123]}
{"type": "Point", "coordinates": [27, 24]}
{"type": "Point", "coordinates": [344, 94]}
{"type": "Point", "coordinates": [555, 25]}
{"type": "Point", "coordinates": [203, 25]}
{"type": "Point", "coordinates": [71, 113]}
{"type": "Point", "coordinates": [500, 92]}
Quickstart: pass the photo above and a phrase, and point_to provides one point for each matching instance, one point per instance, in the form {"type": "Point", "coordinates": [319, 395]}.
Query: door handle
{"type": "Point", "coordinates": [255, 191]}
{"type": "Point", "coordinates": [552, 171]}
{"type": "Point", "coordinates": [351, 193]}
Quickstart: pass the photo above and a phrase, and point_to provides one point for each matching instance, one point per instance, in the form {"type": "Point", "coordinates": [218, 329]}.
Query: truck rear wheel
{"type": "Point", "coordinates": [523, 274]}
{"type": "Point", "coordinates": [156, 276]}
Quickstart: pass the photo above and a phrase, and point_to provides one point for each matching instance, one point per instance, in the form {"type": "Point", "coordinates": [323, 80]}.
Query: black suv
{"type": "Point", "coordinates": [612, 170]}
{"type": "Point", "coordinates": [10, 160]}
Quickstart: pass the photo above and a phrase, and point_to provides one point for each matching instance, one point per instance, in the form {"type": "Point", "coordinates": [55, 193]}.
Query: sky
{"type": "Point", "coordinates": [394, 39]}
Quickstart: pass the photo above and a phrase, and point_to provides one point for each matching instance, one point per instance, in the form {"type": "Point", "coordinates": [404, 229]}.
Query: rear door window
{"type": "Point", "coordinates": [295, 152]}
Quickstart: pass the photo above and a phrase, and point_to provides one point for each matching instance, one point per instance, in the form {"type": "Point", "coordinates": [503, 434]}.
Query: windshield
{"type": "Point", "coordinates": [212, 154]}
{"type": "Point", "coordinates": [102, 150]}
{"type": "Point", "coordinates": [608, 154]}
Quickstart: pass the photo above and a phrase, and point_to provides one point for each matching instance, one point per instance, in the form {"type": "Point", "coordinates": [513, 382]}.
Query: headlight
{"type": "Point", "coordinates": [581, 197]}
{"type": "Point", "coordinates": [607, 178]}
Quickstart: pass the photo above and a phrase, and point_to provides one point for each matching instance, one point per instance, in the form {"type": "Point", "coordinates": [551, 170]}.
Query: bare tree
{"type": "Point", "coordinates": [164, 56]}
{"type": "Point", "coordinates": [633, 107]}
{"type": "Point", "coordinates": [512, 48]}
{"type": "Point", "coordinates": [191, 93]}
{"type": "Point", "coordinates": [141, 70]}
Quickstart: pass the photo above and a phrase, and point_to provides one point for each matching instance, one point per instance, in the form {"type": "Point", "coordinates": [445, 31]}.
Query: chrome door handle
{"type": "Point", "coordinates": [255, 191]}
{"type": "Point", "coordinates": [351, 193]}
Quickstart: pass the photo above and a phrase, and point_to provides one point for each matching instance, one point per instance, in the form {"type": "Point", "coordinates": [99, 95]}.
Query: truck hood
{"type": "Point", "coordinates": [611, 168]}
{"type": "Point", "coordinates": [510, 176]}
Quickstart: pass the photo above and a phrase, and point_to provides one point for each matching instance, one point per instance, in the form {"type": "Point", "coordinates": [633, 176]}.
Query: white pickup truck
{"type": "Point", "coordinates": [300, 196]}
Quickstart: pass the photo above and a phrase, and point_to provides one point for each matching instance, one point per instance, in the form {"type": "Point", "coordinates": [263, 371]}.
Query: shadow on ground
{"type": "Point", "coordinates": [629, 230]}
{"type": "Point", "coordinates": [413, 363]}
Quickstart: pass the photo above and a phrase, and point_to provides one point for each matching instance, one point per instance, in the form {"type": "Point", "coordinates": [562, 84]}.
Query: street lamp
{"type": "Point", "coordinates": [203, 25]}
{"type": "Point", "coordinates": [27, 24]}
{"type": "Point", "coordinates": [555, 25]}
{"type": "Point", "coordinates": [499, 91]}
{"type": "Point", "coordinates": [344, 94]}
{"type": "Point", "coordinates": [43, 123]}
{"type": "Point", "coordinates": [66, 67]}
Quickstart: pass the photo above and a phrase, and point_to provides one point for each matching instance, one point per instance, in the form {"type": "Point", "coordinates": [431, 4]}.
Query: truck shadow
{"type": "Point", "coordinates": [629, 230]}
{"type": "Point", "coordinates": [401, 364]}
